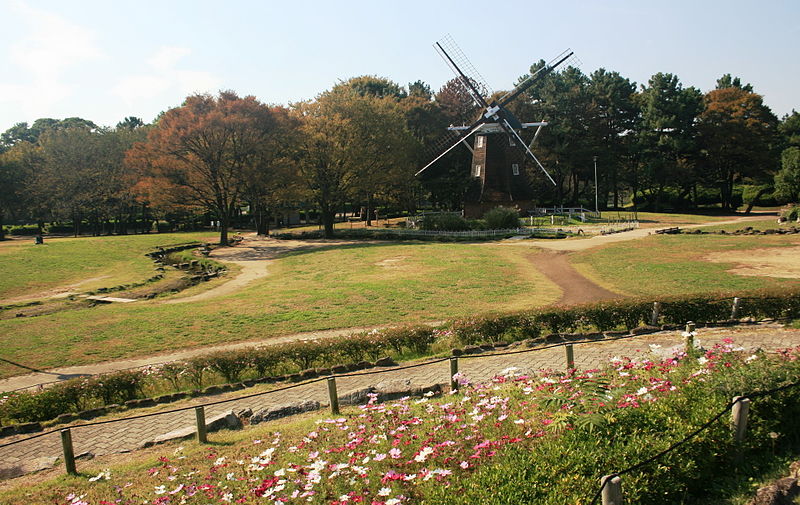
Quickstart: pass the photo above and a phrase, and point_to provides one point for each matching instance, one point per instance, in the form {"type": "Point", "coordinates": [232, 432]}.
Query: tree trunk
{"type": "Point", "coordinates": [369, 210]}
{"type": "Point", "coordinates": [327, 222]}
{"type": "Point", "coordinates": [2, 230]}
{"type": "Point", "coordinates": [752, 202]}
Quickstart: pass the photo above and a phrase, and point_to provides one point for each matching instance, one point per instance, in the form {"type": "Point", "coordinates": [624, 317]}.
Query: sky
{"type": "Point", "coordinates": [105, 60]}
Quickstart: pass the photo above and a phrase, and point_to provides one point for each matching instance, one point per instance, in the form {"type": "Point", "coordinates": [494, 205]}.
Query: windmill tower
{"type": "Point", "coordinates": [499, 155]}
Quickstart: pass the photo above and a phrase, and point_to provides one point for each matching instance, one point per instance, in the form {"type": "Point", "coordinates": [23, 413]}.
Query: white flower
{"type": "Point", "coordinates": [160, 489]}
{"type": "Point", "coordinates": [219, 461]}
{"type": "Point", "coordinates": [750, 358]}
{"type": "Point", "coordinates": [392, 501]}
{"type": "Point", "coordinates": [641, 391]}
{"type": "Point", "coordinates": [105, 474]}
{"type": "Point", "coordinates": [702, 360]}
{"type": "Point", "coordinates": [384, 491]}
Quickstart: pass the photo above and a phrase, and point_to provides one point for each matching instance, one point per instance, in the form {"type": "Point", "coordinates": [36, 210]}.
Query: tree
{"type": "Point", "coordinates": [789, 129]}
{"type": "Point", "coordinates": [614, 121]}
{"type": "Point", "coordinates": [199, 152]}
{"type": "Point", "coordinates": [726, 81]}
{"type": "Point", "coordinates": [787, 180]}
{"type": "Point", "coordinates": [668, 137]}
{"type": "Point", "coordinates": [130, 123]}
{"type": "Point", "coordinates": [737, 132]}
{"type": "Point", "coordinates": [269, 180]}
{"type": "Point", "coordinates": [352, 145]}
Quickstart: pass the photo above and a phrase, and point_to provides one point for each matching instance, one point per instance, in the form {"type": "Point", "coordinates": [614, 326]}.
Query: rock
{"type": "Point", "coordinates": [486, 346]}
{"type": "Point", "coordinates": [553, 337]}
{"type": "Point", "coordinates": [386, 361]}
{"type": "Point", "coordinates": [14, 470]}
{"type": "Point", "coordinates": [28, 428]}
{"type": "Point", "coordinates": [213, 390]}
{"type": "Point", "coordinates": [65, 418]}
{"type": "Point", "coordinates": [295, 377]}
{"type": "Point", "coordinates": [245, 413]}
{"type": "Point", "coordinates": [308, 374]}
{"type": "Point", "coordinates": [456, 352]}
{"type": "Point", "coordinates": [501, 345]}
{"type": "Point", "coordinates": [6, 431]}
{"type": "Point", "coordinates": [216, 423]}
{"type": "Point", "coordinates": [278, 412]}
{"type": "Point", "coordinates": [321, 372]}
{"type": "Point", "coordinates": [141, 402]}
{"type": "Point", "coordinates": [781, 492]}
{"type": "Point", "coordinates": [363, 365]}
{"type": "Point", "coordinates": [472, 349]}
{"type": "Point", "coordinates": [85, 456]}
{"type": "Point", "coordinates": [339, 369]}
{"type": "Point", "coordinates": [356, 396]}
{"type": "Point", "coordinates": [641, 330]}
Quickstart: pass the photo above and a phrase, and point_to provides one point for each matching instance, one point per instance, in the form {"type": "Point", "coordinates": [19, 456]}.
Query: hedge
{"type": "Point", "coordinates": [234, 366]}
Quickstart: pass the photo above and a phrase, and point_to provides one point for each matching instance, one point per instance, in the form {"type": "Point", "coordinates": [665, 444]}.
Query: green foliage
{"type": "Point", "coordinates": [787, 180]}
{"type": "Point", "coordinates": [230, 364]}
{"type": "Point", "coordinates": [444, 222]}
{"type": "Point", "coordinates": [502, 218]}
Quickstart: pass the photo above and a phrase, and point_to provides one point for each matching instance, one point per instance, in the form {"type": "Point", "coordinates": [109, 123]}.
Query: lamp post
{"type": "Point", "coordinates": [596, 206]}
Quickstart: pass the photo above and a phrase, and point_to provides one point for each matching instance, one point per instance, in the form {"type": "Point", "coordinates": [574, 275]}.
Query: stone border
{"type": "Point", "coordinates": [86, 415]}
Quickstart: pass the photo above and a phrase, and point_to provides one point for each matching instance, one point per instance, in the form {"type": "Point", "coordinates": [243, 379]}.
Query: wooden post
{"type": "Point", "coordinates": [570, 357]}
{"type": "Point", "coordinates": [200, 418]}
{"type": "Point", "coordinates": [69, 453]}
{"type": "Point", "coordinates": [656, 313]}
{"type": "Point", "coordinates": [739, 413]}
{"type": "Point", "coordinates": [453, 372]}
{"type": "Point", "coordinates": [612, 491]}
{"type": "Point", "coordinates": [735, 310]}
{"type": "Point", "coordinates": [333, 396]}
{"type": "Point", "coordinates": [689, 336]}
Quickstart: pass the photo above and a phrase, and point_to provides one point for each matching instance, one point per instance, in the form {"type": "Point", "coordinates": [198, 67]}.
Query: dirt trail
{"type": "Point", "coordinates": [57, 292]}
{"type": "Point", "coordinates": [575, 287]}
{"type": "Point", "coordinates": [253, 255]}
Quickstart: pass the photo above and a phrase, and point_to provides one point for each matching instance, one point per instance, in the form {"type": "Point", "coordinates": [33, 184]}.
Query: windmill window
{"type": "Point", "coordinates": [515, 168]}
{"type": "Point", "coordinates": [479, 141]}
{"type": "Point", "coordinates": [477, 170]}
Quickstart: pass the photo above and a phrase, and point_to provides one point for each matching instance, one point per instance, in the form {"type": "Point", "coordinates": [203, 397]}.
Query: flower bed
{"type": "Point", "coordinates": [526, 437]}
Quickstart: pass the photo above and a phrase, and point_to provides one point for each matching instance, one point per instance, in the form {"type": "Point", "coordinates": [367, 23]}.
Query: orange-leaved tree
{"type": "Point", "coordinates": [201, 152]}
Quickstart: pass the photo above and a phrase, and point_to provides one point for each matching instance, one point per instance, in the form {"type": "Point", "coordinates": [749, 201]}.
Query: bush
{"type": "Point", "coordinates": [26, 229]}
{"type": "Point", "coordinates": [117, 387]}
{"type": "Point", "coordinates": [230, 364]}
{"type": "Point", "coordinates": [502, 218]}
{"type": "Point", "coordinates": [444, 222]}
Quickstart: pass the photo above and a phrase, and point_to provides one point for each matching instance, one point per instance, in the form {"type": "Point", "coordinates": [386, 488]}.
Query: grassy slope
{"type": "Point", "coordinates": [29, 269]}
{"type": "Point", "coordinates": [332, 288]}
{"type": "Point", "coordinates": [674, 264]}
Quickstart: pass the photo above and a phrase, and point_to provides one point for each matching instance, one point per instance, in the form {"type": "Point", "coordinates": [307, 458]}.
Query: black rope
{"type": "Point", "coordinates": [690, 436]}
{"type": "Point", "coordinates": [218, 402]}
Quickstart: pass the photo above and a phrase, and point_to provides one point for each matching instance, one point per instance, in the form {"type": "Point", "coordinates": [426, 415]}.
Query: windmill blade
{"type": "Point", "coordinates": [511, 131]}
{"type": "Point", "coordinates": [461, 137]}
{"type": "Point", "coordinates": [469, 77]}
{"type": "Point", "coordinates": [538, 75]}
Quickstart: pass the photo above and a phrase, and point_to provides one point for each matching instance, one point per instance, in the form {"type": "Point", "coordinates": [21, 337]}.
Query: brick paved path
{"type": "Point", "coordinates": [125, 436]}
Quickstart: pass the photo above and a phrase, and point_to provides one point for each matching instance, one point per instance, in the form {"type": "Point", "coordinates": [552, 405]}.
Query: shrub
{"type": "Point", "coordinates": [444, 222]}
{"type": "Point", "coordinates": [265, 360]}
{"type": "Point", "coordinates": [229, 364]}
{"type": "Point", "coordinates": [502, 218]}
{"type": "Point", "coordinates": [116, 387]}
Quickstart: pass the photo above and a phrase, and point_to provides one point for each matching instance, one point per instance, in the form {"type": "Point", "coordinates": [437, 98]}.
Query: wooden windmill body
{"type": "Point", "coordinates": [499, 155]}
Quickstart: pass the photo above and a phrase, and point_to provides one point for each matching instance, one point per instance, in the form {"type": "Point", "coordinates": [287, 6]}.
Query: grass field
{"type": "Point", "coordinates": [361, 285]}
{"type": "Point", "coordinates": [85, 262]}
{"type": "Point", "coordinates": [678, 264]}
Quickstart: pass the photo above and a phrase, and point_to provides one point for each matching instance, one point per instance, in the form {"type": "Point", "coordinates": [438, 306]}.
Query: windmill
{"type": "Point", "coordinates": [498, 151]}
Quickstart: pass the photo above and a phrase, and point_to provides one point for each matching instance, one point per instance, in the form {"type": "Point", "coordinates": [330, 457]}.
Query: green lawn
{"type": "Point", "coordinates": [361, 285]}
{"type": "Point", "coordinates": [675, 264]}
{"type": "Point", "coordinates": [93, 262]}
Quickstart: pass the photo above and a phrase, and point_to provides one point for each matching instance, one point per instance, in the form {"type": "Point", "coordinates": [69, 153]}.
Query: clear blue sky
{"type": "Point", "coordinates": [104, 60]}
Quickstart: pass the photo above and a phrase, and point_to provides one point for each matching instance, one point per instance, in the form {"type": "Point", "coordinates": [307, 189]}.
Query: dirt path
{"type": "Point", "coordinates": [253, 255]}
{"type": "Point", "coordinates": [57, 292]}
{"type": "Point", "coordinates": [599, 240]}
{"type": "Point", "coordinates": [575, 288]}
